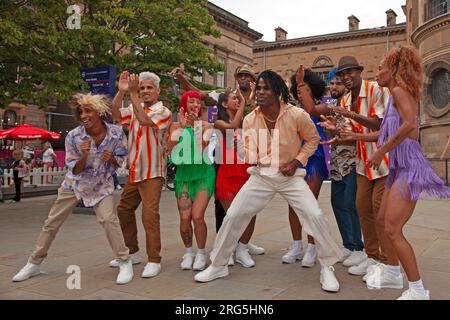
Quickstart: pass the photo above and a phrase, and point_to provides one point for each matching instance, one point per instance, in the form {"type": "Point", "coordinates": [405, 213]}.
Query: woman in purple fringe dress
{"type": "Point", "coordinates": [410, 174]}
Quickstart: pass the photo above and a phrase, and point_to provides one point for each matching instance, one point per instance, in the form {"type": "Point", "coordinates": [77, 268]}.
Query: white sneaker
{"type": "Point", "coordinates": [126, 272]}
{"type": "Point", "coordinates": [211, 273]}
{"type": "Point", "coordinates": [345, 254]}
{"type": "Point", "coordinates": [255, 250]}
{"type": "Point", "coordinates": [151, 270]}
{"type": "Point", "coordinates": [355, 258]}
{"type": "Point", "coordinates": [135, 259]}
{"type": "Point", "coordinates": [294, 253]}
{"type": "Point", "coordinates": [243, 257]}
{"type": "Point", "coordinates": [231, 261]}
{"type": "Point", "coordinates": [119, 187]}
{"type": "Point", "coordinates": [199, 262]}
{"type": "Point", "coordinates": [309, 259]}
{"type": "Point", "coordinates": [361, 269]}
{"type": "Point", "coordinates": [380, 278]}
{"type": "Point", "coordinates": [412, 294]}
{"type": "Point", "coordinates": [188, 261]}
{"type": "Point", "coordinates": [370, 270]}
{"type": "Point", "coordinates": [28, 271]}
{"type": "Point", "coordinates": [328, 279]}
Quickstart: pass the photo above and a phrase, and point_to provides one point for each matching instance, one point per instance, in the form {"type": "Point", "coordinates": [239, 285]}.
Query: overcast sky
{"type": "Point", "coordinates": [301, 18]}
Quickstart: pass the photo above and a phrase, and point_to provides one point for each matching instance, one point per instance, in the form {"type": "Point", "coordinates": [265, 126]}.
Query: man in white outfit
{"type": "Point", "coordinates": [273, 135]}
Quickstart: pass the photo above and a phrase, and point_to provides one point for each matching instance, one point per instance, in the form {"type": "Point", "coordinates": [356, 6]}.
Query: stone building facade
{"type": "Point", "coordinates": [428, 28]}
{"type": "Point", "coordinates": [322, 52]}
{"type": "Point", "coordinates": [234, 47]}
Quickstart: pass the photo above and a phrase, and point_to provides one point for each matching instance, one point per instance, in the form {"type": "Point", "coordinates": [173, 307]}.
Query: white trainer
{"type": "Point", "coordinates": [28, 271]}
{"type": "Point", "coordinates": [135, 259]}
{"type": "Point", "coordinates": [125, 273]}
{"type": "Point", "coordinates": [188, 261]}
{"type": "Point", "coordinates": [199, 262]}
{"type": "Point", "coordinates": [345, 254]}
{"type": "Point", "coordinates": [370, 270]}
{"type": "Point", "coordinates": [151, 269]}
{"type": "Point", "coordinates": [355, 258]}
{"type": "Point", "coordinates": [255, 250]}
{"type": "Point", "coordinates": [361, 269]}
{"type": "Point", "coordinates": [412, 294]}
{"type": "Point", "coordinates": [243, 257]}
{"type": "Point", "coordinates": [211, 273]}
{"type": "Point", "coordinates": [309, 259]}
{"type": "Point", "coordinates": [328, 279]}
{"type": "Point", "coordinates": [294, 253]}
{"type": "Point", "coordinates": [380, 278]}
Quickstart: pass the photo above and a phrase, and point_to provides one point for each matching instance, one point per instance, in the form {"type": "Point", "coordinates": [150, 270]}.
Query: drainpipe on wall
{"type": "Point", "coordinates": [388, 45]}
{"type": "Point", "coordinates": [264, 58]}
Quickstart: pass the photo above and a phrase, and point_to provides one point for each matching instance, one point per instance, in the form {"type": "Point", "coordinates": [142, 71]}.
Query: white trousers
{"type": "Point", "coordinates": [254, 196]}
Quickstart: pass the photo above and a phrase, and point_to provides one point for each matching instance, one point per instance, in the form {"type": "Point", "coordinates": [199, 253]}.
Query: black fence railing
{"type": "Point", "coordinates": [441, 167]}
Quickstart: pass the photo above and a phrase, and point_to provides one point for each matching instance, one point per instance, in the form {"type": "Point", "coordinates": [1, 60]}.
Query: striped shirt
{"type": "Point", "coordinates": [146, 144]}
{"type": "Point", "coordinates": [372, 102]}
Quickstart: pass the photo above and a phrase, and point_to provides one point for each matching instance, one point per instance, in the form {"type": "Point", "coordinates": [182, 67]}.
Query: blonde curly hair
{"type": "Point", "coordinates": [409, 74]}
{"type": "Point", "coordinates": [98, 102]}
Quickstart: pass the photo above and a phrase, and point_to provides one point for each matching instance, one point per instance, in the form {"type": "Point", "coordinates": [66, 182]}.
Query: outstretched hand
{"type": "Point", "coordinates": [300, 75]}
{"type": "Point", "coordinates": [328, 123]}
{"type": "Point", "coordinates": [134, 83]}
{"type": "Point", "coordinates": [124, 81]}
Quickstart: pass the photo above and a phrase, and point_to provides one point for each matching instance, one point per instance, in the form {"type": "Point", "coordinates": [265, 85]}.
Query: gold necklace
{"type": "Point", "coordinates": [269, 120]}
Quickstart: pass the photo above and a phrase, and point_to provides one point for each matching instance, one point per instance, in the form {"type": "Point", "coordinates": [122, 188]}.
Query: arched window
{"type": "Point", "coordinates": [9, 119]}
{"type": "Point", "coordinates": [440, 88]}
{"type": "Point", "coordinates": [436, 8]}
{"type": "Point", "coordinates": [322, 65]}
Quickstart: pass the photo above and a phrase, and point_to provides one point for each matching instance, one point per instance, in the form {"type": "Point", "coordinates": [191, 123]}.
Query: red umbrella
{"type": "Point", "coordinates": [27, 132]}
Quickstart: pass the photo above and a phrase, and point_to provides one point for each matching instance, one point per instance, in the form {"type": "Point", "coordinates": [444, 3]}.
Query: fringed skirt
{"type": "Point", "coordinates": [414, 175]}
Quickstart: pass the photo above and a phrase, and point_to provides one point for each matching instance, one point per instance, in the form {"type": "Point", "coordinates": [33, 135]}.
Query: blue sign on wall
{"type": "Point", "coordinates": [101, 80]}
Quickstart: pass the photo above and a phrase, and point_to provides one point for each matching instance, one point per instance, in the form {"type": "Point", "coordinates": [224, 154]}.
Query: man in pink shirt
{"type": "Point", "coordinates": [273, 135]}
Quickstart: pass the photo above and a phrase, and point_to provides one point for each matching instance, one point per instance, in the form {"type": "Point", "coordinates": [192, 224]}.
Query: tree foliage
{"type": "Point", "coordinates": [135, 35]}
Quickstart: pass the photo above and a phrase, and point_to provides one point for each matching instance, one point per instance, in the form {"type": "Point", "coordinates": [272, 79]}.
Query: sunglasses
{"type": "Point", "coordinates": [267, 88]}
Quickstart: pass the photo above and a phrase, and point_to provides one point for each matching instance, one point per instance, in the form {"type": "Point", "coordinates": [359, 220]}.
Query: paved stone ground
{"type": "Point", "coordinates": [81, 241]}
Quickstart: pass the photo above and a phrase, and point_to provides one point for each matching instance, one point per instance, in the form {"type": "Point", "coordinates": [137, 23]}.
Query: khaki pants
{"type": "Point", "coordinates": [257, 192]}
{"type": "Point", "coordinates": [368, 200]}
{"type": "Point", "coordinates": [59, 212]}
{"type": "Point", "coordinates": [149, 192]}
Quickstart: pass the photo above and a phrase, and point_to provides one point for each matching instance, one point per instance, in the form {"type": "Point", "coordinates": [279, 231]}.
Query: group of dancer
{"type": "Point", "coordinates": [377, 169]}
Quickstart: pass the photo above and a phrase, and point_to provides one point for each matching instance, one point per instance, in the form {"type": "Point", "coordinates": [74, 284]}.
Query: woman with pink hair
{"type": "Point", "coordinates": [195, 177]}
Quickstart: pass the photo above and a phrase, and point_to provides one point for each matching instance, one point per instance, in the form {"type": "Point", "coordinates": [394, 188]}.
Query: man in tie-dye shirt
{"type": "Point", "coordinates": [94, 150]}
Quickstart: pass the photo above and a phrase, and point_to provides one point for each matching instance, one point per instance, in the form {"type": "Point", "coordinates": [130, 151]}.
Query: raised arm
{"type": "Point", "coordinates": [141, 116]}
{"type": "Point", "coordinates": [305, 96]}
{"type": "Point", "coordinates": [184, 82]}
{"type": "Point", "coordinates": [117, 101]}
{"type": "Point", "coordinates": [236, 122]}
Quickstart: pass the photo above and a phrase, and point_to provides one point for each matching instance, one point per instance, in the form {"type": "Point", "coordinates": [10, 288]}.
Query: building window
{"type": "Point", "coordinates": [437, 8]}
{"type": "Point", "coordinates": [9, 119]}
{"type": "Point", "coordinates": [440, 88]}
{"type": "Point", "coordinates": [220, 76]}
{"type": "Point", "coordinates": [200, 77]}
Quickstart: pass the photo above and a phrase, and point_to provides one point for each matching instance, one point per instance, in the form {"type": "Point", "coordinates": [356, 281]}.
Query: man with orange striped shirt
{"type": "Point", "coordinates": [148, 121]}
{"type": "Point", "coordinates": [365, 105]}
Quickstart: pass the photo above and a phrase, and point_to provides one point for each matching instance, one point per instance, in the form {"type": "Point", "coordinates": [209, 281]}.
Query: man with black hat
{"type": "Point", "coordinates": [365, 105]}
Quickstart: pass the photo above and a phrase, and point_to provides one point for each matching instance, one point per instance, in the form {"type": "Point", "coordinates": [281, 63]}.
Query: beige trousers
{"type": "Point", "coordinates": [254, 196]}
{"type": "Point", "coordinates": [59, 212]}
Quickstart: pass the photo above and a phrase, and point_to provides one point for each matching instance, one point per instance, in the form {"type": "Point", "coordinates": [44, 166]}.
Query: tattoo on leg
{"type": "Point", "coordinates": [186, 236]}
{"type": "Point", "coordinates": [184, 203]}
